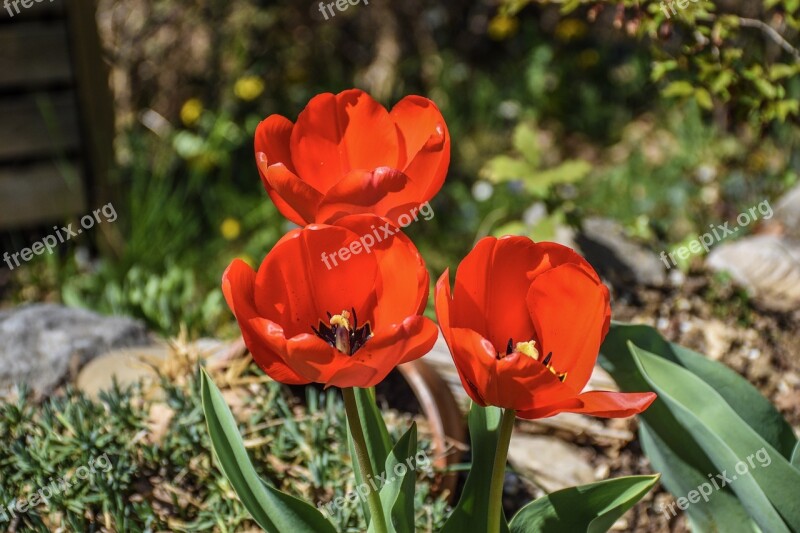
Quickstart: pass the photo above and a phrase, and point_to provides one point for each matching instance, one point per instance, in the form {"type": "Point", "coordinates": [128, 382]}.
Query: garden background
{"type": "Point", "coordinates": [622, 129]}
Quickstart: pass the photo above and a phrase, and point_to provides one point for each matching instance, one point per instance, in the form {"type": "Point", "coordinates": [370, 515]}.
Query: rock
{"type": "Point", "coordinates": [767, 266]}
{"type": "Point", "coordinates": [126, 366]}
{"type": "Point", "coordinates": [41, 344]}
{"type": "Point", "coordinates": [617, 258]}
{"type": "Point", "coordinates": [549, 462]}
{"type": "Point", "coordinates": [787, 212]}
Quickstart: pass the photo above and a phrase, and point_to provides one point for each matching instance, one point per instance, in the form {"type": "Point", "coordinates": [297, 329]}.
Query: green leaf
{"type": "Point", "coordinates": [379, 443]}
{"type": "Point", "coordinates": [728, 441]}
{"type": "Point", "coordinates": [725, 513]}
{"type": "Point", "coordinates": [592, 508]}
{"type": "Point", "coordinates": [526, 144]}
{"type": "Point", "coordinates": [397, 493]}
{"type": "Point", "coordinates": [678, 89]}
{"type": "Point", "coordinates": [273, 510]}
{"type": "Point", "coordinates": [660, 68]}
{"type": "Point", "coordinates": [739, 393]}
{"type": "Point", "coordinates": [472, 511]}
{"type": "Point", "coordinates": [767, 89]}
{"type": "Point", "coordinates": [685, 456]}
{"type": "Point", "coordinates": [796, 456]}
{"type": "Point", "coordinates": [722, 81]}
{"type": "Point", "coordinates": [539, 183]}
{"type": "Point", "coordinates": [504, 168]}
{"type": "Point", "coordinates": [545, 229]}
{"type": "Point", "coordinates": [703, 99]}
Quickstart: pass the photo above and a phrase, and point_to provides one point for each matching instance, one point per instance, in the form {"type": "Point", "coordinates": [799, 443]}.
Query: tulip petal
{"type": "Point", "coordinates": [474, 358]}
{"type": "Point", "coordinates": [363, 191]}
{"type": "Point", "coordinates": [238, 284]}
{"type": "Point", "coordinates": [294, 198]}
{"type": "Point", "coordinates": [520, 382]}
{"type": "Point", "coordinates": [602, 404]}
{"type": "Point", "coordinates": [304, 277]}
{"type": "Point", "coordinates": [513, 382]}
{"type": "Point", "coordinates": [550, 255]}
{"type": "Point", "coordinates": [272, 139]}
{"type": "Point", "coordinates": [568, 308]}
{"type": "Point", "coordinates": [443, 301]}
{"type": "Point", "coordinates": [309, 356]}
{"type": "Point", "coordinates": [399, 344]}
{"type": "Point", "coordinates": [425, 144]}
{"type": "Point", "coordinates": [490, 288]}
{"type": "Point", "coordinates": [336, 134]}
{"type": "Point", "coordinates": [403, 283]}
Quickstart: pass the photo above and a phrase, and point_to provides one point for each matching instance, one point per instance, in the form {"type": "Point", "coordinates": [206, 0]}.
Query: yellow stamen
{"type": "Point", "coordinates": [528, 348]}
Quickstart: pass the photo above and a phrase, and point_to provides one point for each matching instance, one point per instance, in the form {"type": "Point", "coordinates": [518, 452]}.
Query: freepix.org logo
{"type": "Point", "coordinates": [26, 4]}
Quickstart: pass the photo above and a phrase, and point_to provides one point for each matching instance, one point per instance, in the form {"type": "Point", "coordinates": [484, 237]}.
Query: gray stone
{"type": "Point", "coordinates": [767, 266]}
{"type": "Point", "coordinates": [787, 212]}
{"type": "Point", "coordinates": [616, 257]}
{"type": "Point", "coordinates": [41, 344]}
{"type": "Point", "coordinates": [549, 462]}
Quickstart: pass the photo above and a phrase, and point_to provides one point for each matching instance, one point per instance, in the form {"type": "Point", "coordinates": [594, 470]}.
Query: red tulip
{"type": "Point", "coordinates": [525, 326]}
{"type": "Point", "coordinates": [346, 324]}
{"type": "Point", "coordinates": [346, 155]}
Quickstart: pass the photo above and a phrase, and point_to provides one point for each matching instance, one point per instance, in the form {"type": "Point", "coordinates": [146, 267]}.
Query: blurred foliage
{"type": "Point", "coordinates": [557, 111]}
{"type": "Point", "coordinates": [166, 480]}
{"type": "Point", "coordinates": [732, 57]}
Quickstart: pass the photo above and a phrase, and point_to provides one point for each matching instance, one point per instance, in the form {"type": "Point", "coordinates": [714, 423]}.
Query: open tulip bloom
{"type": "Point", "coordinates": [347, 154]}
{"type": "Point", "coordinates": [524, 326]}
{"type": "Point", "coordinates": [524, 323]}
{"type": "Point", "coordinates": [345, 327]}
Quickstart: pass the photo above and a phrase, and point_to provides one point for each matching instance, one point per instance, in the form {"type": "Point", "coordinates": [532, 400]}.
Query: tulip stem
{"type": "Point", "coordinates": [362, 456]}
{"type": "Point", "coordinates": [499, 471]}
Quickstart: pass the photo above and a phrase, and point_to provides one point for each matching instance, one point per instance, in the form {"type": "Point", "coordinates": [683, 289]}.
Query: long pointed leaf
{"type": "Point", "coordinates": [739, 393]}
{"type": "Point", "coordinates": [397, 493]}
{"type": "Point", "coordinates": [472, 511]}
{"type": "Point", "coordinates": [728, 440]}
{"type": "Point", "coordinates": [273, 510]}
{"type": "Point", "coordinates": [724, 513]}
{"type": "Point", "coordinates": [592, 508]}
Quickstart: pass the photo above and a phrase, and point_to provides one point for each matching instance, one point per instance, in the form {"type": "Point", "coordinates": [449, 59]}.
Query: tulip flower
{"type": "Point", "coordinates": [346, 325]}
{"type": "Point", "coordinates": [524, 325]}
{"type": "Point", "coordinates": [347, 154]}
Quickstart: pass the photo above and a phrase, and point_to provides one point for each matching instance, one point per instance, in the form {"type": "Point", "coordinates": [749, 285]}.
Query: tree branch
{"type": "Point", "coordinates": [771, 33]}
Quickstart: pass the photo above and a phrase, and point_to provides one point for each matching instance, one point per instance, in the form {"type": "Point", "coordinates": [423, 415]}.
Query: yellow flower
{"type": "Point", "coordinates": [569, 29]}
{"type": "Point", "coordinates": [502, 27]}
{"type": "Point", "coordinates": [248, 88]}
{"type": "Point", "coordinates": [230, 229]}
{"type": "Point", "coordinates": [191, 111]}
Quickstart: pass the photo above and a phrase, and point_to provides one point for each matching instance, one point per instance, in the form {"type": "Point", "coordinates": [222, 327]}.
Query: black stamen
{"type": "Point", "coordinates": [547, 359]}
{"type": "Point", "coordinates": [355, 318]}
{"type": "Point", "coordinates": [510, 347]}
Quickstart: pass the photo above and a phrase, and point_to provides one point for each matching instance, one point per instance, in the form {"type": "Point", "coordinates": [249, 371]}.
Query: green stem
{"type": "Point", "coordinates": [499, 471]}
{"type": "Point", "coordinates": [364, 464]}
